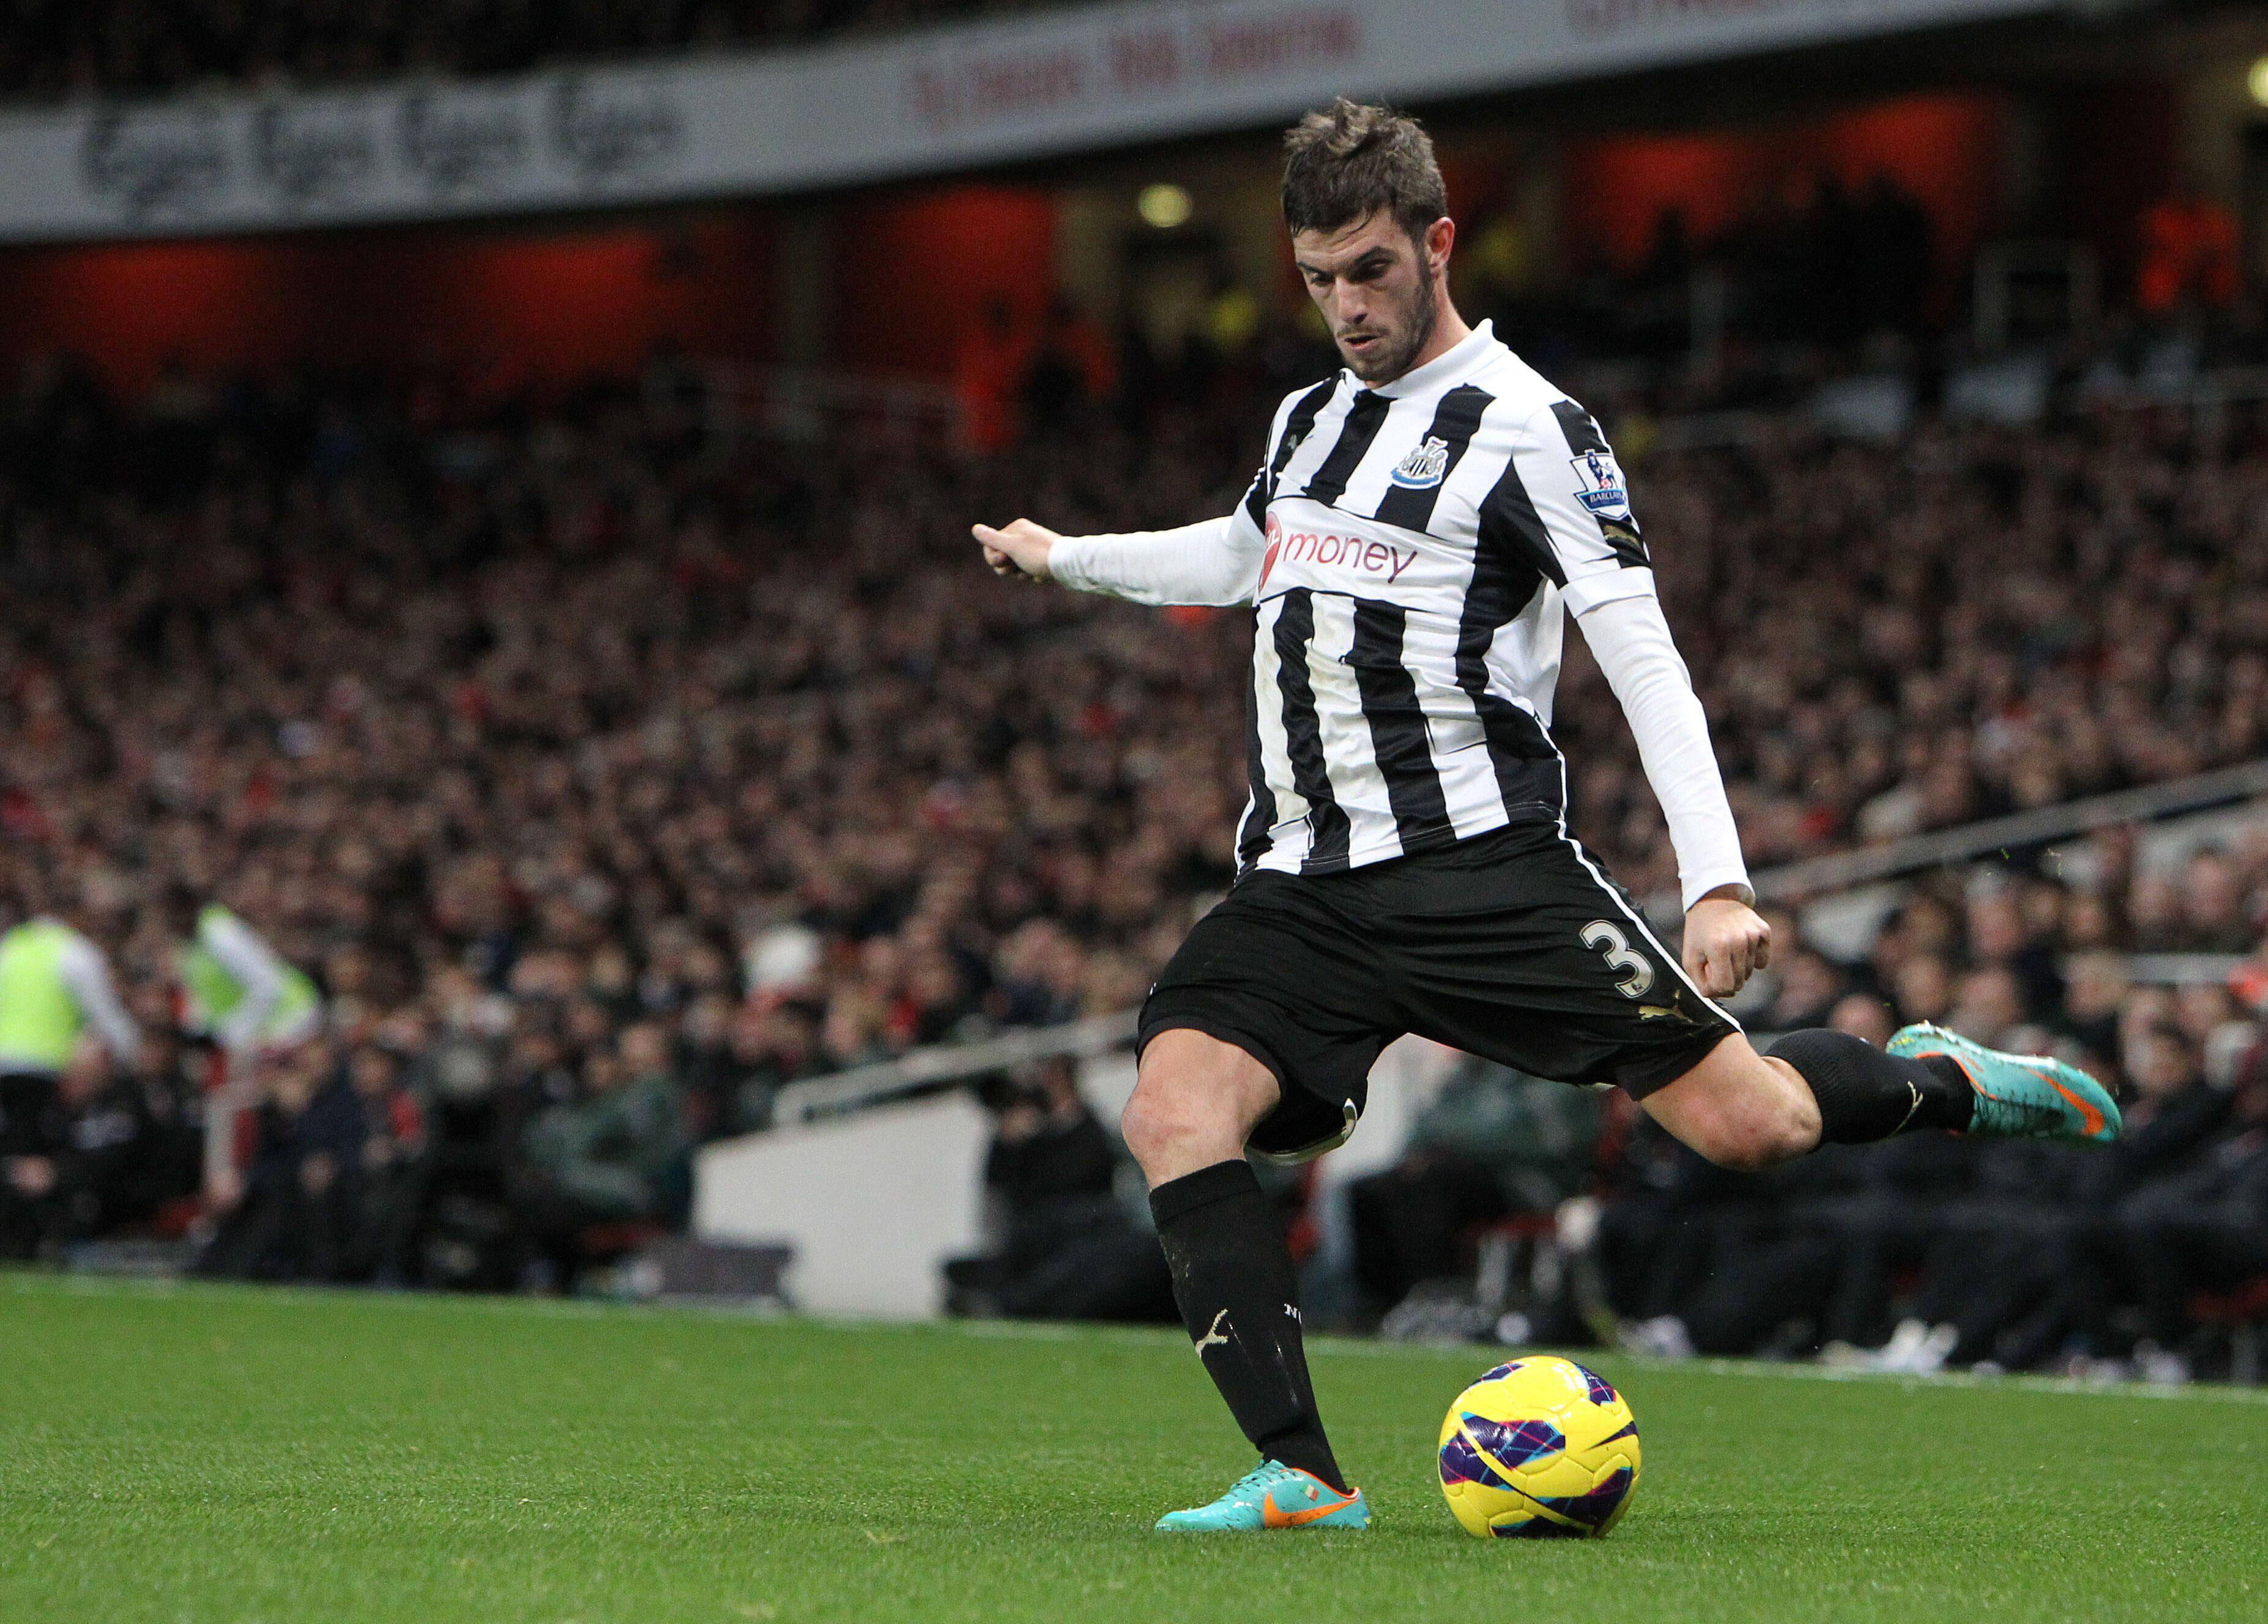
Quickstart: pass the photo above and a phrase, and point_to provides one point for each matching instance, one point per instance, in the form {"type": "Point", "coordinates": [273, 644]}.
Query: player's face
{"type": "Point", "coordinates": [1376, 289]}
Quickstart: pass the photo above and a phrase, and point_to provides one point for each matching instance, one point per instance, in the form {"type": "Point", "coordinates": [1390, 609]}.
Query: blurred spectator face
{"type": "Point", "coordinates": [2160, 1062]}
{"type": "Point", "coordinates": [1863, 1016]}
{"type": "Point", "coordinates": [372, 1070]}
{"type": "Point", "coordinates": [589, 1027]}
{"type": "Point", "coordinates": [1808, 982]}
{"type": "Point", "coordinates": [708, 1021]}
{"type": "Point", "coordinates": [1925, 925]}
{"type": "Point", "coordinates": [2088, 921]}
{"type": "Point", "coordinates": [2095, 985]}
{"type": "Point", "coordinates": [2153, 911]}
{"type": "Point", "coordinates": [646, 1051]}
{"type": "Point", "coordinates": [1996, 928]}
{"type": "Point", "coordinates": [1991, 1003]}
{"type": "Point", "coordinates": [2202, 1010]}
{"type": "Point", "coordinates": [2211, 905]}
{"type": "Point", "coordinates": [293, 1075]}
{"type": "Point", "coordinates": [1924, 988]}
{"type": "Point", "coordinates": [1058, 1082]}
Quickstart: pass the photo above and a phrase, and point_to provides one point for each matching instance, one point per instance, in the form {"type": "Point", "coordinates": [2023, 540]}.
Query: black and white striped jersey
{"type": "Point", "coordinates": [1416, 542]}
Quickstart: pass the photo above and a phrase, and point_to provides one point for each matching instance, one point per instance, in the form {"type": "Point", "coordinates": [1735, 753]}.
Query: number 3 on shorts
{"type": "Point", "coordinates": [1602, 937]}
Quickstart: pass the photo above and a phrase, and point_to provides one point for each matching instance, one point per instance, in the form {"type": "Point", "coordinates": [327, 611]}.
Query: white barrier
{"type": "Point", "coordinates": [872, 1204]}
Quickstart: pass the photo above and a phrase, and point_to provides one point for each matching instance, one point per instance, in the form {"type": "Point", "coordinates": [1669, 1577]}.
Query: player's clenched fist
{"type": "Point", "coordinates": [1019, 549]}
{"type": "Point", "coordinates": [1725, 942]}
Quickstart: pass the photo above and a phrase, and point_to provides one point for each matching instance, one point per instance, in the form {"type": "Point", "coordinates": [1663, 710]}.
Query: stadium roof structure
{"type": "Point", "coordinates": [928, 102]}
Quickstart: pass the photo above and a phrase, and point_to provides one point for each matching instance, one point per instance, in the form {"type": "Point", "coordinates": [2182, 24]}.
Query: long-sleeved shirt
{"type": "Point", "coordinates": [1411, 551]}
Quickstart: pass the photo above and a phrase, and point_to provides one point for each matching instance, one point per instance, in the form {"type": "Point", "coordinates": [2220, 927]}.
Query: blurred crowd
{"type": "Point", "coordinates": [63, 48]}
{"type": "Point", "coordinates": [1920, 1252]}
{"type": "Point", "coordinates": [610, 768]}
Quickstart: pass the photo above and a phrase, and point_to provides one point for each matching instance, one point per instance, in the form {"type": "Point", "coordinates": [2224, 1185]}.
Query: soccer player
{"type": "Point", "coordinates": [1422, 525]}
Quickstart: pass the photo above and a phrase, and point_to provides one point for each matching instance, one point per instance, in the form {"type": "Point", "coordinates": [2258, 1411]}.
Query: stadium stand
{"type": "Point", "coordinates": [614, 767]}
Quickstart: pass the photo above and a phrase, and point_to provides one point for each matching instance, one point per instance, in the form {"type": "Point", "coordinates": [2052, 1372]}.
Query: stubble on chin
{"type": "Point", "coordinates": [1386, 368]}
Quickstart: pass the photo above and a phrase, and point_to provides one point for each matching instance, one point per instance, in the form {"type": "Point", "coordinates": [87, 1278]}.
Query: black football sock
{"type": "Point", "coordinates": [1233, 1280]}
{"type": "Point", "coordinates": [1864, 1094]}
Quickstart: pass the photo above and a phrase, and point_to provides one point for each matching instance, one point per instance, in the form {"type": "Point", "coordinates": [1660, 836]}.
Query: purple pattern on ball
{"type": "Point", "coordinates": [1600, 1393]}
{"type": "Point", "coordinates": [1512, 1444]}
{"type": "Point", "coordinates": [1461, 1463]}
{"type": "Point", "coordinates": [1501, 1371]}
{"type": "Point", "coordinates": [1595, 1508]}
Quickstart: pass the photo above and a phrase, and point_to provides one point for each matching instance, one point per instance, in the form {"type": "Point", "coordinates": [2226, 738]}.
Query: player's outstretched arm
{"type": "Point", "coordinates": [1725, 939]}
{"type": "Point", "coordinates": [1214, 562]}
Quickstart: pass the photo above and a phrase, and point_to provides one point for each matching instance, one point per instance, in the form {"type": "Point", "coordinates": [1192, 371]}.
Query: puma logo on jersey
{"type": "Point", "coordinates": [1213, 1338]}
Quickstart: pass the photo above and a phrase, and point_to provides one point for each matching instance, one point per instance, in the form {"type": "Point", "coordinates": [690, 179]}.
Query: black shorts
{"type": "Point", "coordinates": [1511, 946]}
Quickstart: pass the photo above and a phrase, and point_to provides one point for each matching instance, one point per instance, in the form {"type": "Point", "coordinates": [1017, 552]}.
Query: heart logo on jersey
{"type": "Point", "coordinates": [1275, 545]}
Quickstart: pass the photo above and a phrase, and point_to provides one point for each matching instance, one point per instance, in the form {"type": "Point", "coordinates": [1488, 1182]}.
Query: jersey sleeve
{"type": "Point", "coordinates": [1631, 641]}
{"type": "Point", "coordinates": [1215, 561]}
{"type": "Point", "coordinates": [1562, 503]}
{"type": "Point", "coordinates": [1207, 562]}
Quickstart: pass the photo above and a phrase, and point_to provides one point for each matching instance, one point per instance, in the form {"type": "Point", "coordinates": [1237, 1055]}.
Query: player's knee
{"type": "Point", "coordinates": [1147, 1123]}
{"type": "Point", "coordinates": [1164, 1125]}
{"type": "Point", "coordinates": [1195, 1103]}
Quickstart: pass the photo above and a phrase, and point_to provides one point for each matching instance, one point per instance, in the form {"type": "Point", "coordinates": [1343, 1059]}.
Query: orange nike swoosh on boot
{"type": "Point", "coordinates": [2089, 1118]}
{"type": "Point", "coordinates": [1270, 1517]}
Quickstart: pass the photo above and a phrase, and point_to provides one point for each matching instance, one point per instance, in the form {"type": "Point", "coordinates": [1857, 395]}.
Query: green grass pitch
{"type": "Point", "coordinates": [183, 1455]}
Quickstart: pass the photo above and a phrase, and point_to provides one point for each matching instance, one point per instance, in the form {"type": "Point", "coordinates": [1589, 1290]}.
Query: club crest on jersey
{"type": "Point", "coordinates": [1601, 489]}
{"type": "Point", "coordinates": [1425, 465]}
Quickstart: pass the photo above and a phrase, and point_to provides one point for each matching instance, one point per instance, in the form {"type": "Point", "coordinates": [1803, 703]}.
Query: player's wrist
{"type": "Point", "coordinates": [1724, 891]}
{"type": "Point", "coordinates": [1059, 560]}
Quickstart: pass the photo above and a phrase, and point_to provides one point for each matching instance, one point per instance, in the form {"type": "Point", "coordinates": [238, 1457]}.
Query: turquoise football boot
{"type": "Point", "coordinates": [1274, 1496]}
{"type": "Point", "coordinates": [2018, 1096]}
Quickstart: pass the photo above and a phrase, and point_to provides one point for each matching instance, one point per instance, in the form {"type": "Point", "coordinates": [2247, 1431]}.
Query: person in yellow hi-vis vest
{"type": "Point", "coordinates": [55, 988]}
{"type": "Point", "coordinates": [236, 989]}
{"type": "Point", "coordinates": [242, 995]}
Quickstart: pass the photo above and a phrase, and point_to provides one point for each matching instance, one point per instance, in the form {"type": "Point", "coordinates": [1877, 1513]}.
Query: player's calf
{"type": "Point", "coordinates": [1197, 1102]}
{"type": "Point", "coordinates": [1739, 1109]}
{"type": "Point", "coordinates": [1748, 1111]}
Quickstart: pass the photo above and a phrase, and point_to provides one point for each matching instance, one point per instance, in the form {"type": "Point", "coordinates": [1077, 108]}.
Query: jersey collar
{"type": "Point", "coordinates": [1443, 368]}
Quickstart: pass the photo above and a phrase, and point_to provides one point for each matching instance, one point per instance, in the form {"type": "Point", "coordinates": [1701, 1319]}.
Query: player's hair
{"type": "Point", "coordinates": [1349, 161]}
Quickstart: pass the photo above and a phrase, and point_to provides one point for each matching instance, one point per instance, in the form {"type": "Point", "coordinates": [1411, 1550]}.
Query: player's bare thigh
{"type": "Point", "coordinates": [1196, 1101]}
{"type": "Point", "coordinates": [1739, 1108]}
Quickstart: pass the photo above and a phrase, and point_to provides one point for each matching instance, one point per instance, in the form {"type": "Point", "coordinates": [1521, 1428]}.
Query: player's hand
{"type": "Point", "coordinates": [1020, 549]}
{"type": "Point", "coordinates": [1725, 942]}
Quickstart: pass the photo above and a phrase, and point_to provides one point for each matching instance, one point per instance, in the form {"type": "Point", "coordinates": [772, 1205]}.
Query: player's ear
{"type": "Point", "coordinates": [1440, 237]}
